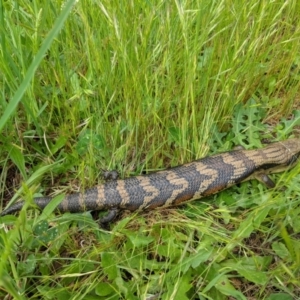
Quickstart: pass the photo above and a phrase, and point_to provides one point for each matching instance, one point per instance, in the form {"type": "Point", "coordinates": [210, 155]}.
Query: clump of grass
{"type": "Point", "coordinates": [139, 87]}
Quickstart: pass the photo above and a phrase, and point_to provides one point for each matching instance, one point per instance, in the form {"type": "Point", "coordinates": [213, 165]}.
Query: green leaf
{"type": "Point", "coordinates": [200, 257]}
{"type": "Point", "coordinates": [217, 140]}
{"type": "Point", "coordinates": [245, 229]}
{"type": "Point", "coordinates": [61, 295]}
{"type": "Point", "coordinates": [194, 260]}
{"type": "Point", "coordinates": [183, 286]}
{"type": "Point", "coordinates": [40, 228]}
{"type": "Point", "coordinates": [88, 138]}
{"type": "Point", "coordinates": [44, 233]}
{"type": "Point", "coordinates": [138, 239]}
{"type": "Point", "coordinates": [27, 266]}
{"type": "Point", "coordinates": [287, 126]}
{"type": "Point", "coordinates": [259, 216]}
{"type": "Point", "coordinates": [251, 268]}
{"type": "Point", "coordinates": [226, 288]}
{"type": "Point", "coordinates": [104, 289]}
{"type": "Point", "coordinates": [253, 221]}
{"type": "Point", "coordinates": [247, 124]}
{"type": "Point", "coordinates": [281, 250]}
{"type": "Point", "coordinates": [17, 157]}
{"type": "Point", "coordinates": [255, 276]}
{"type": "Point", "coordinates": [121, 285]}
{"type": "Point", "coordinates": [280, 296]}
{"type": "Point", "coordinates": [108, 262]}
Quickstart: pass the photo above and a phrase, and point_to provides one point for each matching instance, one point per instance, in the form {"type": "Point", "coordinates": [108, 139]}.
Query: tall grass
{"type": "Point", "coordinates": [134, 85]}
{"type": "Point", "coordinates": [142, 73]}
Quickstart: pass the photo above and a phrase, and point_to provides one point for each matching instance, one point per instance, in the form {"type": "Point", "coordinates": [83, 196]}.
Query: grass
{"type": "Point", "coordinates": [140, 86]}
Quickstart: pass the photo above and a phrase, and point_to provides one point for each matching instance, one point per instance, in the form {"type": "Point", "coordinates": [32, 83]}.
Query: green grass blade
{"type": "Point", "coordinates": [35, 63]}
